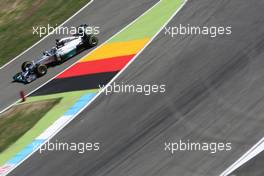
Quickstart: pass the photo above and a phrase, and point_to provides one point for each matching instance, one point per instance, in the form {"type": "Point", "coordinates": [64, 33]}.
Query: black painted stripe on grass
{"type": "Point", "coordinates": [75, 83]}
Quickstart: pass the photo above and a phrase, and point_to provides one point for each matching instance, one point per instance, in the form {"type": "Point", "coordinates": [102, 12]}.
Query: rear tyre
{"type": "Point", "coordinates": [41, 70]}
{"type": "Point", "coordinates": [93, 41]}
{"type": "Point", "coordinates": [26, 65]}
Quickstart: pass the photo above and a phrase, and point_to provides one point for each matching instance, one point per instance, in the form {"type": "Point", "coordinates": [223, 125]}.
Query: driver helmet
{"type": "Point", "coordinates": [53, 50]}
{"type": "Point", "coordinates": [45, 53]}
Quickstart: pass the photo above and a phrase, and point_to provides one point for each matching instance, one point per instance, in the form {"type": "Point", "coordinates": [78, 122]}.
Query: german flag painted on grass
{"type": "Point", "coordinates": [107, 58]}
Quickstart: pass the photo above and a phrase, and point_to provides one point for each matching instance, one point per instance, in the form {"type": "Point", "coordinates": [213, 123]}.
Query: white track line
{"type": "Point", "coordinates": [47, 35]}
{"type": "Point", "coordinates": [251, 153]}
{"type": "Point", "coordinates": [102, 90]}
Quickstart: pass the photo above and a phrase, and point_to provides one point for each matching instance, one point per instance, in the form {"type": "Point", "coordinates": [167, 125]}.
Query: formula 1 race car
{"type": "Point", "coordinates": [65, 48]}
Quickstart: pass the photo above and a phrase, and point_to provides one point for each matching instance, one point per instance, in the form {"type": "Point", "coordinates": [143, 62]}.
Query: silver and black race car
{"type": "Point", "coordinates": [65, 48]}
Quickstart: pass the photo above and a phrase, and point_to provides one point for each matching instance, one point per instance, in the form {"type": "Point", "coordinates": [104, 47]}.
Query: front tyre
{"type": "Point", "coordinates": [41, 70]}
{"type": "Point", "coordinates": [26, 65]}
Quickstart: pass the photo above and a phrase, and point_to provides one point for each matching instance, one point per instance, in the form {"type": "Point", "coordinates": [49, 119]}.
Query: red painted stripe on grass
{"type": "Point", "coordinates": [99, 66]}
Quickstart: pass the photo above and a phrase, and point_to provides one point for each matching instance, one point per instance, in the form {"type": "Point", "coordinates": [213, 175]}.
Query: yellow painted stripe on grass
{"type": "Point", "coordinates": [116, 49]}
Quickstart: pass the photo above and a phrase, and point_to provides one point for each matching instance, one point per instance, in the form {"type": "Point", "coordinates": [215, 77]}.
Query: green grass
{"type": "Point", "coordinates": [67, 100]}
{"type": "Point", "coordinates": [17, 19]}
{"type": "Point", "coordinates": [19, 119]}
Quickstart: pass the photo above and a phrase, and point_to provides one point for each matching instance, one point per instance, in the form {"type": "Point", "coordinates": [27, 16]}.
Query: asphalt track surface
{"type": "Point", "coordinates": [214, 93]}
{"type": "Point", "coordinates": [110, 16]}
{"type": "Point", "coordinates": [253, 166]}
